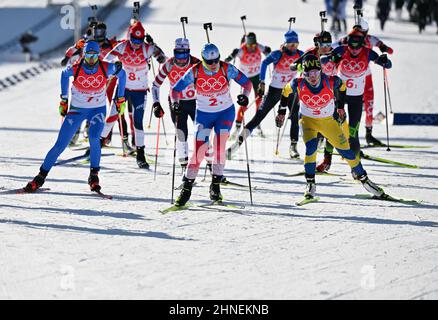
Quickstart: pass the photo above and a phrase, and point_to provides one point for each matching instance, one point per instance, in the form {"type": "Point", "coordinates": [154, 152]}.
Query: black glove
{"type": "Point", "coordinates": [64, 61]}
{"type": "Point", "coordinates": [161, 58]}
{"type": "Point", "coordinates": [176, 108]}
{"type": "Point", "coordinates": [261, 89]}
{"type": "Point", "coordinates": [293, 67]}
{"type": "Point", "coordinates": [158, 110]}
{"type": "Point", "coordinates": [382, 59]}
{"type": "Point", "coordinates": [336, 58]}
{"type": "Point", "coordinates": [149, 38]}
{"type": "Point", "coordinates": [242, 100]}
{"type": "Point", "coordinates": [341, 115]}
{"type": "Point", "coordinates": [279, 120]}
{"type": "Point", "coordinates": [267, 50]}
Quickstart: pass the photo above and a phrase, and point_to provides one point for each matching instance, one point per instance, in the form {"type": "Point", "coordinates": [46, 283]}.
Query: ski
{"type": "Point", "coordinates": [387, 197]}
{"type": "Point", "coordinates": [325, 173]}
{"type": "Point", "coordinates": [102, 195]}
{"type": "Point", "coordinates": [307, 201]}
{"type": "Point", "coordinates": [175, 208]}
{"type": "Point", "coordinates": [399, 146]}
{"type": "Point", "coordinates": [383, 160]}
{"type": "Point", "coordinates": [22, 191]}
{"type": "Point", "coordinates": [220, 203]}
{"type": "Point", "coordinates": [61, 162]}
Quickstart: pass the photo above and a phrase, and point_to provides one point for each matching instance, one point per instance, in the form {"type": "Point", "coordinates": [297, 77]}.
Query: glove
{"type": "Point", "coordinates": [161, 59]}
{"type": "Point", "coordinates": [267, 50]}
{"type": "Point", "coordinates": [64, 61]}
{"type": "Point", "coordinates": [293, 67]}
{"type": "Point", "coordinates": [382, 59]}
{"type": "Point", "coordinates": [63, 107]}
{"type": "Point", "coordinates": [336, 58]}
{"type": "Point", "coordinates": [158, 110]}
{"type": "Point", "coordinates": [279, 120]}
{"type": "Point", "coordinates": [261, 89]}
{"type": "Point", "coordinates": [176, 108]}
{"type": "Point", "coordinates": [384, 48]}
{"type": "Point", "coordinates": [341, 116]}
{"type": "Point", "coordinates": [242, 100]}
{"type": "Point", "coordinates": [120, 105]}
{"type": "Point", "coordinates": [149, 38]}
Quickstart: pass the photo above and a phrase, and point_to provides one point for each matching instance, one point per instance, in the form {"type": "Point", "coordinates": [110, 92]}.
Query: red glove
{"type": "Point", "coordinates": [390, 50]}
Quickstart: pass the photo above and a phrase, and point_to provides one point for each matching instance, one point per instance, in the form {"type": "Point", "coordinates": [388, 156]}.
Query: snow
{"type": "Point", "coordinates": [67, 243]}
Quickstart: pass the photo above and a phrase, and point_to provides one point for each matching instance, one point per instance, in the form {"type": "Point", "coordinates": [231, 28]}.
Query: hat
{"type": "Point", "coordinates": [291, 37]}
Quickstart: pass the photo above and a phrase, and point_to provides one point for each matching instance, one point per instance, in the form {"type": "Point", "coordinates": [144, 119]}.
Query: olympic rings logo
{"type": "Point", "coordinates": [286, 63]}
{"type": "Point", "coordinates": [251, 58]}
{"type": "Point", "coordinates": [424, 119]}
{"type": "Point", "coordinates": [316, 102]}
{"type": "Point", "coordinates": [353, 66]}
{"type": "Point", "coordinates": [90, 82]}
{"type": "Point", "coordinates": [212, 83]}
{"type": "Point", "coordinates": [132, 58]}
{"type": "Point", "coordinates": [176, 74]}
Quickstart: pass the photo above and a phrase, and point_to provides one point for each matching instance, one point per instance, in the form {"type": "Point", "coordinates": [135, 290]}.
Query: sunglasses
{"type": "Point", "coordinates": [211, 61]}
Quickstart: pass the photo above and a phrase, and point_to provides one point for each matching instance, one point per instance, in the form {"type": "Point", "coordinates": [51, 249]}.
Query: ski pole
{"type": "Point", "coordinates": [287, 119]}
{"type": "Point", "coordinates": [387, 89]}
{"type": "Point", "coordinates": [208, 26]}
{"type": "Point", "coordinates": [156, 149]}
{"type": "Point", "coordinates": [291, 19]}
{"type": "Point", "coordinates": [247, 162]}
{"type": "Point", "coordinates": [184, 20]}
{"type": "Point", "coordinates": [243, 18]}
{"type": "Point", "coordinates": [322, 15]}
{"type": "Point", "coordinates": [386, 111]}
{"type": "Point", "coordinates": [153, 71]}
{"type": "Point", "coordinates": [164, 131]}
{"type": "Point", "coordinates": [174, 158]}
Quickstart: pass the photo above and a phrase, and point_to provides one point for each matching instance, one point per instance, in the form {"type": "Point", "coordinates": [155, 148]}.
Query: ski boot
{"type": "Point", "coordinates": [369, 186]}
{"type": "Point", "coordinates": [126, 147]}
{"type": "Point", "coordinates": [37, 182]}
{"type": "Point", "coordinates": [310, 191]}
{"type": "Point", "coordinates": [185, 193]}
{"type": "Point", "coordinates": [293, 152]}
{"type": "Point", "coordinates": [215, 189]}
{"type": "Point", "coordinates": [370, 139]}
{"type": "Point", "coordinates": [93, 180]}
{"type": "Point", "coordinates": [324, 166]}
{"type": "Point", "coordinates": [141, 160]}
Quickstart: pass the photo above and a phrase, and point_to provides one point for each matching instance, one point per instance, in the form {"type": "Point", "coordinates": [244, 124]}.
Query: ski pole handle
{"type": "Point", "coordinates": [183, 21]}
{"type": "Point", "coordinates": [291, 19]}
{"type": "Point", "coordinates": [243, 18]}
{"type": "Point", "coordinates": [208, 26]}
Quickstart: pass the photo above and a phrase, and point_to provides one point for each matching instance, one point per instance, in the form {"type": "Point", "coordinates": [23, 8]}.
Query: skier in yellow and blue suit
{"type": "Point", "coordinates": [322, 99]}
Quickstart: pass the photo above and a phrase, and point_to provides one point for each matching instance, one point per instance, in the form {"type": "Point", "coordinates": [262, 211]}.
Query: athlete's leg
{"type": "Point", "coordinates": [138, 102]}
{"type": "Point", "coordinates": [354, 116]}
{"type": "Point", "coordinates": [96, 116]}
{"type": "Point", "coordinates": [222, 127]}
{"type": "Point", "coordinates": [71, 123]}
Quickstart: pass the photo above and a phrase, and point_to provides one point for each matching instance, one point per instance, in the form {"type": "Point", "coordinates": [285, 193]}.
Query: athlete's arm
{"type": "Point", "coordinates": [271, 58]}
{"type": "Point", "coordinates": [240, 78]}
{"type": "Point", "coordinates": [161, 76]}
{"type": "Point", "coordinates": [65, 80]}
{"type": "Point", "coordinates": [117, 70]}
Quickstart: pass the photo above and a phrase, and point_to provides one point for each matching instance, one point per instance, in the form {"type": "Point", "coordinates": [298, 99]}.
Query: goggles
{"type": "Point", "coordinates": [251, 45]}
{"type": "Point", "coordinates": [181, 54]}
{"type": "Point", "coordinates": [137, 40]}
{"type": "Point", "coordinates": [211, 61]}
{"type": "Point", "coordinates": [312, 73]}
{"type": "Point", "coordinates": [93, 56]}
{"type": "Point", "coordinates": [325, 45]}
